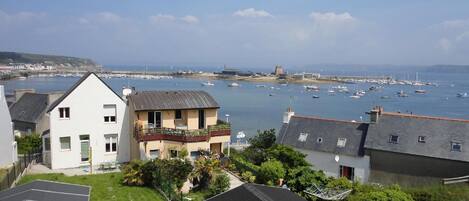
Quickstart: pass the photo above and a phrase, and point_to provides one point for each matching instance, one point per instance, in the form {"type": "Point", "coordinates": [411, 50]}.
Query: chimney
{"type": "Point", "coordinates": [375, 113]}
{"type": "Point", "coordinates": [287, 115]}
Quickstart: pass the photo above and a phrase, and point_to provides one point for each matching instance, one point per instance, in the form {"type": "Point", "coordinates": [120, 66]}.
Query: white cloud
{"type": "Point", "coordinates": [23, 16]}
{"type": "Point", "coordinates": [455, 24]}
{"type": "Point", "coordinates": [444, 44]}
{"type": "Point", "coordinates": [161, 18]}
{"type": "Point", "coordinates": [251, 12]}
{"type": "Point", "coordinates": [108, 17]}
{"type": "Point", "coordinates": [190, 19]}
{"type": "Point", "coordinates": [332, 18]}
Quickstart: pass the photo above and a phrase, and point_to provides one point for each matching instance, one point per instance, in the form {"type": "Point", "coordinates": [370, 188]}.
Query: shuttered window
{"type": "Point", "coordinates": [109, 113]}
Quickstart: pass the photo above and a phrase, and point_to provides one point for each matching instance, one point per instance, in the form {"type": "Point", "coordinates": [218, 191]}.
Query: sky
{"type": "Point", "coordinates": [241, 33]}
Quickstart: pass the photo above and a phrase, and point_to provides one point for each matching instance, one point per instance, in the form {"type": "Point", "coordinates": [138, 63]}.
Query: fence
{"type": "Point", "coordinates": [15, 172]}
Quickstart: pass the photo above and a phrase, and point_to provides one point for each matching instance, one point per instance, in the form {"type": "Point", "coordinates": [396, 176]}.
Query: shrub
{"type": "Point", "coordinates": [342, 183]}
{"type": "Point", "coordinates": [133, 174]}
{"type": "Point", "coordinates": [248, 176]}
{"type": "Point", "coordinates": [302, 178]}
{"type": "Point", "coordinates": [204, 170]}
{"type": "Point", "coordinates": [270, 172]}
{"type": "Point", "coordinates": [392, 193]}
{"type": "Point", "coordinates": [289, 157]}
{"type": "Point", "coordinates": [219, 184]}
{"type": "Point", "coordinates": [263, 139]}
{"type": "Point", "coordinates": [28, 143]}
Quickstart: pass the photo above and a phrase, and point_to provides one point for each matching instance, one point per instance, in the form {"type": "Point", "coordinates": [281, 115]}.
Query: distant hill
{"type": "Point", "coordinates": [448, 69]}
{"type": "Point", "coordinates": [63, 61]}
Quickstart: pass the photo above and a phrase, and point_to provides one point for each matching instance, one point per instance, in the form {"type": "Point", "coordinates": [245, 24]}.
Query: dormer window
{"type": "Point", "coordinates": [64, 112]}
{"type": "Point", "coordinates": [394, 139]}
{"type": "Point", "coordinates": [456, 146]}
{"type": "Point", "coordinates": [319, 140]}
{"type": "Point", "coordinates": [302, 137]}
{"type": "Point", "coordinates": [421, 139]}
{"type": "Point", "coordinates": [341, 142]}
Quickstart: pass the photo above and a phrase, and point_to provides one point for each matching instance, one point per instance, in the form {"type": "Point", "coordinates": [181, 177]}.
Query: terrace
{"type": "Point", "coordinates": [182, 135]}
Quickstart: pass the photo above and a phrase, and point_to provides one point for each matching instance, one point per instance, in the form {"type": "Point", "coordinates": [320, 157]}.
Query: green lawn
{"type": "Point", "coordinates": [103, 186]}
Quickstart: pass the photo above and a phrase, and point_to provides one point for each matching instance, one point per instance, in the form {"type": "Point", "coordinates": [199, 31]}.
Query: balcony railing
{"type": "Point", "coordinates": [181, 135]}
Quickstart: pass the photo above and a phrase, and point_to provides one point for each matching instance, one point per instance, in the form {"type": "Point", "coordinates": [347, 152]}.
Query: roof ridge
{"type": "Point", "coordinates": [256, 192]}
{"type": "Point", "coordinates": [425, 117]}
{"type": "Point", "coordinates": [327, 119]}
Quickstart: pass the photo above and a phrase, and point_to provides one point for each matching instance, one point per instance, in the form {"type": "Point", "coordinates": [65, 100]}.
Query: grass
{"type": "Point", "coordinates": [103, 186]}
{"type": "Point", "coordinates": [3, 172]}
{"type": "Point", "coordinates": [454, 192]}
{"type": "Point", "coordinates": [197, 195]}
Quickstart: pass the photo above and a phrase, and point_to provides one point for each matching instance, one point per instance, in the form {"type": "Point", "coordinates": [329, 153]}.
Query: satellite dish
{"type": "Point", "coordinates": [126, 91]}
{"type": "Point", "coordinates": [337, 158]}
{"type": "Point", "coordinates": [241, 134]}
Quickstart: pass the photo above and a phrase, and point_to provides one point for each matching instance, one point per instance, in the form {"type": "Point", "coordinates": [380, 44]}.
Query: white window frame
{"type": "Point", "coordinates": [109, 117]}
{"type": "Point", "coordinates": [151, 156]}
{"type": "Point", "coordinates": [63, 115]}
{"type": "Point", "coordinates": [303, 137]}
{"type": "Point", "coordinates": [422, 139]}
{"type": "Point", "coordinates": [319, 140]}
{"type": "Point", "coordinates": [113, 139]}
{"type": "Point", "coordinates": [456, 143]}
{"type": "Point", "coordinates": [175, 116]}
{"type": "Point", "coordinates": [341, 142]}
{"type": "Point", "coordinates": [394, 142]}
{"type": "Point", "coordinates": [69, 143]}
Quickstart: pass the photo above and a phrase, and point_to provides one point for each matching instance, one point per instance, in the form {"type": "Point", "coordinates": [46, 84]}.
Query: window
{"type": "Point", "coordinates": [421, 139]}
{"type": "Point", "coordinates": [109, 113]}
{"type": "Point", "coordinates": [302, 137]}
{"type": "Point", "coordinates": [341, 142]}
{"type": "Point", "coordinates": [64, 112]}
{"type": "Point", "coordinates": [347, 172]}
{"type": "Point", "coordinates": [178, 114]}
{"type": "Point", "coordinates": [154, 153]}
{"type": "Point", "coordinates": [111, 143]}
{"type": "Point", "coordinates": [65, 143]}
{"type": "Point", "coordinates": [195, 155]}
{"type": "Point", "coordinates": [173, 153]}
{"type": "Point", "coordinates": [456, 146]}
{"type": "Point", "coordinates": [394, 139]}
{"type": "Point", "coordinates": [46, 144]}
{"type": "Point", "coordinates": [319, 140]}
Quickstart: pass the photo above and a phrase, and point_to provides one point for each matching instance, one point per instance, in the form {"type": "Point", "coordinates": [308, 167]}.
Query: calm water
{"type": "Point", "coordinates": [251, 108]}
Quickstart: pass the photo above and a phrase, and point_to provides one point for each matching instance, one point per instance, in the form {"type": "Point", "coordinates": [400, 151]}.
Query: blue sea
{"type": "Point", "coordinates": [252, 108]}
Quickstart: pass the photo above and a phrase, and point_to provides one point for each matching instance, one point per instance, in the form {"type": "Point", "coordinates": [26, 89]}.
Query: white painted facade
{"type": "Point", "coordinates": [8, 146]}
{"type": "Point", "coordinates": [328, 164]}
{"type": "Point", "coordinates": [88, 104]}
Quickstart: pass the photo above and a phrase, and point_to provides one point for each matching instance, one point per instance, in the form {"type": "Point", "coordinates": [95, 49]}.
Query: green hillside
{"type": "Point", "coordinates": [65, 61]}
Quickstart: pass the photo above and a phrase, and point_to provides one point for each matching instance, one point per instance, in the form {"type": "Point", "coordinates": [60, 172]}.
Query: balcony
{"type": "Point", "coordinates": [182, 135]}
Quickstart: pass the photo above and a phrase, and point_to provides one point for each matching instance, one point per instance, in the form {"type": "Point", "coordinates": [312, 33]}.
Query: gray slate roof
{"type": "Point", "coordinates": [46, 191]}
{"type": "Point", "coordinates": [327, 129]}
{"type": "Point", "coordinates": [439, 132]}
{"type": "Point", "coordinates": [256, 192]}
{"type": "Point", "coordinates": [29, 107]}
{"type": "Point", "coordinates": [71, 89]}
{"type": "Point", "coordinates": [170, 100]}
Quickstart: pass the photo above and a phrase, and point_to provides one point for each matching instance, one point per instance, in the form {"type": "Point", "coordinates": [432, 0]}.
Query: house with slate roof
{"type": "Point", "coordinates": [8, 146]}
{"type": "Point", "coordinates": [333, 146]}
{"type": "Point", "coordinates": [390, 148]}
{"type": "Point", "coordinates": [164, 123]}
{"type": "Point", "coordinates": [88, 126]}
{"type": "Point", "coordinates": [257, 192]}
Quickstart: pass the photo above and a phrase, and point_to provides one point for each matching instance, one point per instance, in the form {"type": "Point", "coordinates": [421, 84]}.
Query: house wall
{"type": "Point", "coordinates": [7, 141]}
{"type": "Point", "coordinates": [86, 118]}
{"type": "Point", "coordinates": [402, 165]}
{"type": "Point", "coordinates": [325, 162]}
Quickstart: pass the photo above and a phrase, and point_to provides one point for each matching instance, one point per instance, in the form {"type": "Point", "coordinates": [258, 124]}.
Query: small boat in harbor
{"type": "Point", "coordinates": [355, 97]}
{"type": "Point", "coordinates": [420, 91]}
{"type": "Point", "coordinates": [315, 96]}
{"type": "Point", "coordinates": [233, 84]}
{"type": "Point", "coordinates": [402, 94]}
{"type": "Point", "coordinates": [385, 97]}
{"type": "Point", "coordinates": [261, 86]}
{"type": "Point", "coordinates": [208, 83]}
{"type": "Point", "coordinates": [311, 87]}
{"type": "Point", "coordinates": [462, 95]}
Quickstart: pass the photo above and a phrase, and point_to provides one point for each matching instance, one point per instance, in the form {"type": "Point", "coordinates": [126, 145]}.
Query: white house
{"type": "Point", "coordinates": [7, 140]}
{"type": "Point", "coordinates": [87, 126]}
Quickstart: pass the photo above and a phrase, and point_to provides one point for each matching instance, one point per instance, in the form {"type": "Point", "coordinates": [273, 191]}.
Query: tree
{"type": "Point", "coordinates": [204, 170]}
{"type": "Point", "coordinates": [271, 172]}
{"type": "Point", "coordinates": [219, 184]}
{"type": "Point", "coordinates": [28, 143]}
{"type": "Point", "coordinates": [263, 140]}
{"type": "Point", "coordinates": [392, 193]}
{"type": "Point", "coordinates": [302, 178]}
{"type": "Point", "coordinates": [289, 157]}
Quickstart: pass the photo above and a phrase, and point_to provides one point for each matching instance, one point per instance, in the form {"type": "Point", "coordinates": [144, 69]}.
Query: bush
{"type": "Point", "coordinates": [289, 157]}
{"type": "Point", "coordinates": [133, 174]}
{"type": "Point", "coordinates": [263, 139]}
{"type": "Point", "coordinates": [342, 183]}
{"type": "Point", "coordinates": [248, 176]}
{"type": "Point", "coordinates": [204, 171]}
{"type": "Point", "coordinates": [302, 178]}
{"type": "Point", "coordinates": [271, 172]}
{"type": "Point", "coordinates": [219, 184]}
{"type": "Point", "coordinates": [28, 143]}
{"type": "Point", "coordinates": [392, 193]}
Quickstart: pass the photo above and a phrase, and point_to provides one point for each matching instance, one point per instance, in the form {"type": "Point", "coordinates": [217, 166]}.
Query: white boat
{"type": "Point", "coordinates": [420, 91]}
{"type": "Point", "coordinates": [462, 95]}
{"type": "Point", "coordinates": [21, 78]}
{"type": "Point", "coordinates": [331, 91]}
{"type": "Point", "coordinates": [233, 84]}
{"type": "Point", "coordinates": [355, 97]}
{"type": "Point", "coordinates": [402, 94]}
{"type": "Point", "coordinates": [315, 96]}
{"type": "Point", "coordinates": [208, 83]}
{"type": "Point", "coordinates": [311, 87]}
